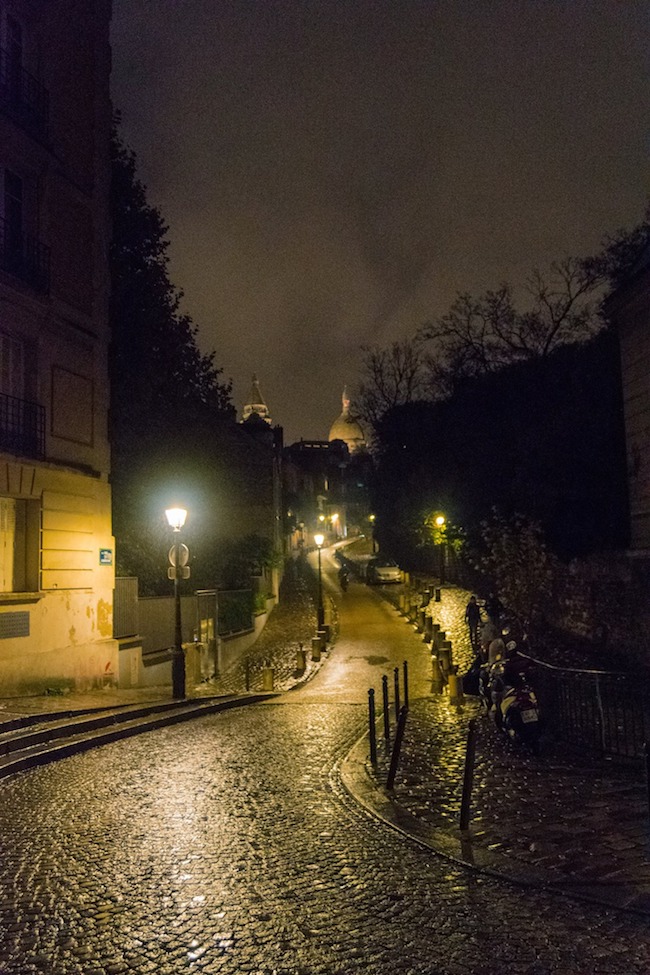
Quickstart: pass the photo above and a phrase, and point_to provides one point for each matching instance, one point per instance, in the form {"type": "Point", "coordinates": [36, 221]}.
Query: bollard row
{"type": "Point", "coordinates": [416, 608]}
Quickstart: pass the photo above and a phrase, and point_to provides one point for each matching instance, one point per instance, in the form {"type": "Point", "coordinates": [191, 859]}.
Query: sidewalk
{"type": "Point", "coordinates": [581, 826]}
{"type": "Point", "coordinates": [582, 830]}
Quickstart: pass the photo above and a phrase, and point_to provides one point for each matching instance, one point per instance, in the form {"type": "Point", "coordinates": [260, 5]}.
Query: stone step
{"type": "Point", "coordinates": [59, 737]}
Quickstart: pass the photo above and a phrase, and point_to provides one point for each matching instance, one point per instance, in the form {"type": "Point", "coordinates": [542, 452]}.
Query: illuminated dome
{"type": "Point", "coordinates": [347, 428]}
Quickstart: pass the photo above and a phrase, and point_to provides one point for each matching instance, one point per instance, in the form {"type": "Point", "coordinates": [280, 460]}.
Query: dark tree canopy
{"type": "Point", "coordinates": [543, 438]}
{"type": "Point", "coordinates": [156, 367]}
{"type": "Point", "coordinates": [173, 428]}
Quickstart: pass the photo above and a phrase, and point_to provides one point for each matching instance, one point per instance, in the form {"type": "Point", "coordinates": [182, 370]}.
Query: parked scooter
{"type": "Point", "coordinates": [520, 715]}
{"type": "Point", "coordinates": [516, 709]}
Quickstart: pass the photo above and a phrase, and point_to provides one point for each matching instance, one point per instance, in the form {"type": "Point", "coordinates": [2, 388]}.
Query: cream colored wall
{"type": "Point", "coordinates": [71, 615]}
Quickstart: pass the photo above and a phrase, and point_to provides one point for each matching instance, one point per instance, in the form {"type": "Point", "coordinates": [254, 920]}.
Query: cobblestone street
{"type": "Point", "coordinates": [234, 843]}
{"type": "Point", "coordinates": [228, 846]}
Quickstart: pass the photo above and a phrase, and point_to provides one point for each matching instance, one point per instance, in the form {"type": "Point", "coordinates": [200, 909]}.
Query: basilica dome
{"type": "Point", "coordinates": [347, 428]}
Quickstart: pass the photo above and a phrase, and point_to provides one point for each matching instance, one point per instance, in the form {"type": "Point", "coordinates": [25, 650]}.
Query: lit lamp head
{"type": "Point", "coordinates": [440, 520]}
{"type": "Point", "coordinates": [319, 539]}
{"type": "Point", "coordinates": [176, 518]}
{"type": "Point", "coordinates": [335, 517]}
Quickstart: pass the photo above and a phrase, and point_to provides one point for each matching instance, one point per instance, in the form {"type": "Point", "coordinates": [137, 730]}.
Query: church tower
{"type": "Point", "coordinates": [347, 427]}
{"type": "Point", "coordinates": [256, 405]}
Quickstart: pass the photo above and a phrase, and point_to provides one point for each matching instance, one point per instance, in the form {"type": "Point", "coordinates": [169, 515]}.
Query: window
{"type": "Point", "coordinates": [19, 528]}
{"type": "Point", "coordinates": [13, 214]}
{"type": "Point", "coordinates": [14, 55]}
{"type": "Point", "coordinates": [12, 366]}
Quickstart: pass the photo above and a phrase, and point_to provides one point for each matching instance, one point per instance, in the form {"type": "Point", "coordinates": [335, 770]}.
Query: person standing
{"type": "Point", "coordinates": [473, 619]}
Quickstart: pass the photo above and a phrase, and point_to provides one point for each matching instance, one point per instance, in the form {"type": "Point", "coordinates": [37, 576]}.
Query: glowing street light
{"type": "Point", "coordinates": [372, 519]}
{"type": "Point", "coordinates": [440, 522]}
{"type": "Point", "coordinates": [179, 569]}
{"type": "Point", "coordinates": [319, 539]}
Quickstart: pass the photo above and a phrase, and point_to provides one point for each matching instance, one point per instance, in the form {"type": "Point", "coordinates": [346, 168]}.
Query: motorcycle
{"type": "Point", "coordinates": [520, 715]}
{"type": "Point", "coordinates": [516, 708]}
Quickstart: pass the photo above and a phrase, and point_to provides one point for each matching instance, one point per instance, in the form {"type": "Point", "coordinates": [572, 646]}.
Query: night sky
{"type": "Point", "coordinates": [334, 172]}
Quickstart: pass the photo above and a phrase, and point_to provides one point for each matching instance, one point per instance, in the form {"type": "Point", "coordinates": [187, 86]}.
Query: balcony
{"type": "Point", "coordinates": [25, 258]}
{"type": "Point", "coordinates": [22, 427]}
{"type": "Point", "coordinates": [22, 97]}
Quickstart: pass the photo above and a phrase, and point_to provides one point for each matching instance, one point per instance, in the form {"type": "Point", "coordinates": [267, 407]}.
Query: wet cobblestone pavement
{"type": "Point", "coordinates": [249, 841]}
{"type": "Point", "coordinates": [228, 846]}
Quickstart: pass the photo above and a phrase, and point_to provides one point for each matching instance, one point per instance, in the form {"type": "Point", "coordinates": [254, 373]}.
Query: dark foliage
{"type": "Point", "coordinates": [173, 426]}
{"type": "Point", "coordinates": [543, 438]}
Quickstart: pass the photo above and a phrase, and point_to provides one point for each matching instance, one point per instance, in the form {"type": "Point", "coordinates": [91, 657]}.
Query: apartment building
{"type": "Point", "coordinates": [56, 545]}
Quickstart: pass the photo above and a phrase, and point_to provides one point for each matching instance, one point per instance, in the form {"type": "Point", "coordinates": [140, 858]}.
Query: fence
{"type": "Point", "coordinates": [153, 616]}
{"type": "Point", "coordinates": [608, 713]}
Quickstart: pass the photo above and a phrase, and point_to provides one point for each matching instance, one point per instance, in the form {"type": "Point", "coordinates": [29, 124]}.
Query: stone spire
{"type": "Point", "coordinates": [256, 405]}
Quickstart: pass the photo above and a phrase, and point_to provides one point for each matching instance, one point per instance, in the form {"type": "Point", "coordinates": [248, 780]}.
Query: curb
{"type": "Point", "coordinates": [457, 847]}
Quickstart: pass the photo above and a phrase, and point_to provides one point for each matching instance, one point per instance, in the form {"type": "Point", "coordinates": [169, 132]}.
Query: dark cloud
{"type": "Point", "coordinates": [334, 172]}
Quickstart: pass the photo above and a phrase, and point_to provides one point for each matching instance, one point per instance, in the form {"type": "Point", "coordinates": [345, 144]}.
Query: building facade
{"type": "Point", "coordinates": [56, 545]}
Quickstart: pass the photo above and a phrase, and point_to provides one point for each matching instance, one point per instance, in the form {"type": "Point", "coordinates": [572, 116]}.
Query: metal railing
{"type": "Point", "coordinates": [22, 96]}
{"type": "Point", "coordinates": [600, 711]}
{"type": "Point", "coordinates": [24, 257]}
{"type": "Point", "coordinates": [22, 427]}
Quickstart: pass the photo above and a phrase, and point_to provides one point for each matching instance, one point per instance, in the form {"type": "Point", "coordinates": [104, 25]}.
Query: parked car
{"type": "Point", "coordinates": [384, 570]}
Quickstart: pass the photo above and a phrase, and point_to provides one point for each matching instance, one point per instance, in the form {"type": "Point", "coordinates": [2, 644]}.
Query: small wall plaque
{"type": "Point", "coordinates": [106, 556]}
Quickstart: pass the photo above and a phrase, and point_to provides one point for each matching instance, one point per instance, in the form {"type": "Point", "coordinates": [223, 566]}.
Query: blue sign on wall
{"type": "Point", "coordinates": [106, 556]}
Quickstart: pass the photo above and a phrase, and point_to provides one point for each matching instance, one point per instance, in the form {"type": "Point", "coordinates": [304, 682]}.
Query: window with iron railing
{"type": "Point", "coordinates": [22, 96]}
{"type": "Point", "coordinates": [22, 427]}
{"type": "Point", "coordinates": [24, 257]}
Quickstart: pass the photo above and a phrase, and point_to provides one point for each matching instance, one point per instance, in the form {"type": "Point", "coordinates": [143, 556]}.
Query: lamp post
{"type": "Point", "coordinates": [371, 519]}
{"type": "Point", "coordinates": [179, 569]}
{"type": "Point", "coordinates": [319, 539]}
{"type": "Point", "coordinates": [440, 525]}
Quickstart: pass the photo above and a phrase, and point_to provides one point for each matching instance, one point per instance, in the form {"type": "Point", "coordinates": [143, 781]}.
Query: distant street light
{"type": "Point", "coordinates": [440, 522]}
{"type": "Point", "coordinates": [179, 569]}
{"type": "Point", "coordinates": [371, 519]}
{"type": "Point", "coordinates": [319, 539]}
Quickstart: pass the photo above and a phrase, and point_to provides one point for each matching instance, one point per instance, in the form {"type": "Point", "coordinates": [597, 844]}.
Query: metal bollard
{"type": "Point", "coordinates": [455, 687]}
{"type": "Point", "coordinates": [428, 629]}
{"type": "Point", "coordinates": [384, 692]}
{"type": "Point", "coordinates": [436, 595]}
{"type": "Point", "coordinates": [468, 777]}
{"type": "Point", "coordinates": [439, 637]}
{"type": "Point", "coordinates": [267, 678]}
{"type": "Point", "coordinates": [372, 730]}
{"type": "Point", "coordinates": [315, 648]}
{"type": "Point", "coordinates": [396, 686]}
{"type": "Point", "coordinates": [247, 674]}
{"type": "Point", "coordinates": [437, 682]}
{"type": "Point", "coordinates": [399, 735]}
{"type": "Point", "coordinates": [301, 660]}
{"type": "Point", "coordinates": [323, 636]}
{"type": "Point", "coordinates": [405, 671]}
{"type": "Point", "coordinates": [444, 656]}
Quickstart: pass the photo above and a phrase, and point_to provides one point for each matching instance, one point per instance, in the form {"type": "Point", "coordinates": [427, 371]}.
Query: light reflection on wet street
{"type": "Point", "coordinates": [221, 846]}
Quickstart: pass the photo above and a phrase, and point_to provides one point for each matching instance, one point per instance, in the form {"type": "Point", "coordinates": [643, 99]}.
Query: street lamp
{"type": "Point", "coordinates": [371, 519]}
{"type": "Point", "coordinates": [179, 569]}
{"type": "Point", "coordinates": [439, 522]}
{"type": "Point", "coordinates": [319, 539]}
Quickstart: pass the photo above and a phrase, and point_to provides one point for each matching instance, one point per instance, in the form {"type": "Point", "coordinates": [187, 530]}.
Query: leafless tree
{"type": "Point", "coordinates": [480, 335]}
{"type": "Point", "coordinates": [391, 377]}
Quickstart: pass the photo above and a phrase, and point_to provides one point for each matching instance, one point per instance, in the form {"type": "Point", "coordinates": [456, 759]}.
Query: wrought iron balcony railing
{"type": "Point", "coordinates": [22, 96]}
{"type": "Point", "coordinates": [22, 427]}
{"type": "Point", "coordinates": [25, 258]}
